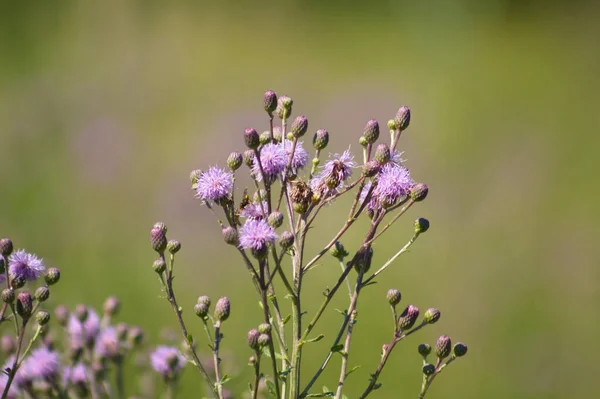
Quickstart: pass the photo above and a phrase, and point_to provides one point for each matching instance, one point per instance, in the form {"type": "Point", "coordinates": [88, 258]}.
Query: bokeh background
{"type": "Point", "coordinates": [106, 106]}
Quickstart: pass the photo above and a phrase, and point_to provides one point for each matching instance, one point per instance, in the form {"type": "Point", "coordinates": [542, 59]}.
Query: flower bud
{"type": "Point", "coordinates": [158, 237]}
{"type": "Point", "coordinates": [195, 175]}
{"type": "Point", "coordinates": [62, 315]}
{"type": "Point", "coordinates": [253, 338]}
{"type": "Point", "coordinates": [8, 295]}
{"type": "Point", "coordinates": [393, 296]}
{"type": "Point", "coordinates": [251, 138]}
{"type": "Point", "coordinates": [252, 360]}
{"type": "Point", "coordinates": [222, 309]}
{"type": "Point", "coordinates": [6, 246]}
{"type": "Point", "coordinates": [264, 328]}
{"type": "Point", "coordinates": [264, 339]}
{"type": "Point", "coordinates": [230, 235]}
{"type": "Point", "coordinates": [284, 107]}
{"type": "Point", "coordinates": [338, 251]}
{"type": "Point", "coordinates": [42, 293]}
{"type": "Point", "coordinates": [135, 335]}
{"type": "Point", "coordinates": [265, 137]}
{"type": "Point", "coordinates": [363, 259]}
{"type": "Point", "coordinates": [277, 134]}
{"type": "Point", "coordinates": [299, 126]}
{"type": "Point", "coordinates": [402, 118]}
{"type": "Point", "coordinates": [42, 317]}
{"type": "Point", "coordinates": [52, 276]}
{"type": "Point", "coordinates": [443, 346]}
{"type": "Point", "coordinates": [111, 306]}
{"type": "Point", "coordinates": [391, 124]}
{"type": "Point", "coordinates": [428, 369]}
{"type": "Point", "coordinates": [234, 161]}
{"type": "Point", "coordinates": [275, 219]}
{"type": "Point", "coordinates": [363, 141]}
{"type": "Point", "coordinates": [418, 192]}
{"type": "Point", "coordinates": [201, 310]}
{"type": "Point", "coordinates": [17, 282]}
{"type": "Point", "coordinates": [81, 313]}
{"type": "Point", "coordinates": [8, 345]}
{"type": "Point", "coordinates": [321, 139]}
{"type": "Point", "coordinates": [382, 153]}
{"type": "Point", "coordinates": [432, 315]}
{"type": "Point", "coordinates": [459, 349]}
{"type": "Point", "coordinates": [270, 101]}
{"type": "Point", "coordinates": [371, 168]}
{"type": "Point", "coordinates": [24, 304]}
{"type": "Point", "coordinates": [421, 225]}
{"type": "Point", "coordinates": [248, 158]}
{"type": "Point", "coordinates": [159, 266]}
{"type": "Point", "coordinates": [204, 299]}
{"type": "Point", "coordinates": [424, 349]}
{"type": "Point", "coordinates": [173, 246]}
{"type": "Point", "coordinates": [371, 133]}
{"type": "Point", "coordinates": [286, 240]}
{"type": "Point", "coordinates": [408, 318]}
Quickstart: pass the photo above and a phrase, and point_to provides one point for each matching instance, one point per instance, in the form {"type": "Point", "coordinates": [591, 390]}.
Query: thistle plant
{"type": "Point", "coordinates": [269, 230]}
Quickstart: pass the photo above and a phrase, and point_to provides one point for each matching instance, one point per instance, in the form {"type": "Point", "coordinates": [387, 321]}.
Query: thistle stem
{"type": "Point", "coordinates": [216, 360]}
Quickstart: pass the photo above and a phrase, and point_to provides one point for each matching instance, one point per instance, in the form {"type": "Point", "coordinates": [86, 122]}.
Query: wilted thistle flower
{"type": "Point", "coordinates": [321, 139]}
{"type": "Point", "coordinates": [273, 159]}
{"type": "Point", "coordinates": [301, 195]}
{"type": "Point", "coordinates": [418, 192]}
{"type": "Point", "coordinates": [393, 296]}
{"type": "Point", "coordinates": [222, 309]}
{"type": "Point", "coordinates": [270, 101]}
{"type": "Point", "coordinates": [52, 276]}
{"type": "Point", "coordinates": [459, 349]}
{"type": "Point", "coordinates": [25, 265]}
{"type": "Point", "coordinates": [402, 119]}
{"type": "Point", "coordinates": [167, 361]}
{"type": "Point", "coordinates": [24, 304]}
{"type": "Point", "coordinates": [253, 338]}
{"type": "Point", "coordinates": [82, 334]}
{"type": "Point", "coordinates": [299, 126]}
{"type": "Point", "coordinates": [393, 183]}
{"type": "Point", "coordinates": [42, 363]}
{"type": "Point", "coordinates": [111, 306]}
{"type": "Point", "coordinates": [335, 171]}
{"type": "Point", "coordinates": [408, 318]}
{"type": "Point", "coordinates": [443, 346]}
{"type": "Point", "coordinates": [158, 237]}
{"type": "Point", "coordinates": [432, 315]}
{"type": "Point", "coordinates": [371, 133]}
{"type": "Point", "coordinates": [256, 235]}
{"type": "Point", "coordinates": [215, 184]}
{"type": "Point", "coordinates": [300, 157]}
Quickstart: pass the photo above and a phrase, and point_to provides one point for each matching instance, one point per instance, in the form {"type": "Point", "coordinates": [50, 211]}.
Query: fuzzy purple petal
{"type": "Point", "coordinates": [25, 265]}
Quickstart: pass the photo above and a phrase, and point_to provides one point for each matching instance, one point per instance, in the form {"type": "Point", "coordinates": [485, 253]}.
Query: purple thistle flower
{"type": "Point", "coordinates": [25, 265]}
{"type": "Point", "coordinates": [337, 170]}
{"type": "Point", "coordinates": [14, 391]}
{"type": "Point", "coordinates": [254, 210]}
{"type": "Point", "coordinates": [397, 157]}
{"type": "Point", "coordinates": [393, 183]}
{"type": "Point", "coordinates": [273, 160]}
{"type": "Point", "coordinates": [42, 364]}
{"type": "Point", "coordinates": [256, 234]}
{"type": "Point", "coordinates": [214, 184]}
{"type": "Point", "coordinates": [84, 334]}
{"type": "Point", "coordinates": [300, 157]}
{"type": "Point", "coordinates": [107, 343]}
{"type": "Point", "coordinates": [167, 360]}
{"type": "Point", "coordinates": [75, 375]}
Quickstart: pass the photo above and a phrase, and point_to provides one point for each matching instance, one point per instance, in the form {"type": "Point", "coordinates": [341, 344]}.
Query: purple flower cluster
{"type": "Point", "coordinates": [393, 183]}
{"type": "Point", "coordinates": [25, 265]}
{"type": "Point", "coordinates": [256, 234]}
{"type": "Point", "coordinates": [167, 361]}
{"type": "Point", "coordinates": [82, 334]}
{"type": "Point", "coordinates": [273, 159]}
{"type": "Point", "coordinates": [215, 184]}
{"type": "Point", "coordinates": [300, 157]}
{"type": "Point", "coordinates": [334, 173]}
{"type": "Point", "coordinates": [254, 210]}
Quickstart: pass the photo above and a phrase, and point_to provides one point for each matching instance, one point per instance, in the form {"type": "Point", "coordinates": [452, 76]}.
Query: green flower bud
{"type": "Point", "coordinates": [251, 138]}
{"type": "Point", "coordinates": [265, 137]}
{"type": "Point", "coordinates": [270, 101]}
{"type": "Point", "coordinates": [277, 134]}
{"type": "Point", "coordinates": [299, 126]}
{"type": "Point", "coordinates": [201, 310]}
{"type": "Point", "coordinates": [253, 338]}
{"type": "Point", "coordinates": [424, 349]}
{"type": "Point", "coordinates": [42, 317]}
{"type": "Point", "coordinates": [338, 251]}
{"type": "Point", "coordinates": [382, 153]}
{"type": "Point", "coordinates": [428, 369]}
{"type": "Point", "coordinates": [275, 219]}
{"type": "Point", "coordinates": [158, 237]}
{"type": "Point", "coordinates": [52, 276]}
{"type": "Point", "coordinates": [363, 259]}
{"type": "Point", "coordinates": [402, 117]}
{"type": "Point", "coordinates": [418, 192]}
{"type": "Point", "coordinates": [443, 346]}
{"type": "Point", "coordinates": [17, 282]}
{"type": "Point", "coordinates": [8, 295]}
{"type": "Point", "coordinates": [321, 139]}
{"type": "Point", "coordinates": [173, 246]}
{"type": "Point", "coordinates": [204, 299]}
{"type": "Point", "coordinates": [286, 240]}
{"type": "Point", "coordinates": [371, 168]}
{"type": "Point", "coordinates": [248, 158]}
{"type": "Point", "coordinates": [363, 141]}
{"type": "Point", "coordinates": [408, 318]}
{"type": "Point", "coordinates": [24, 304]}
{"type": "Point", "coordinates": [230, 235]}
{"type": "Point", "coordinates": [234, 161]}
{"type": "Point", "coordinates": [264, 339]}
{"type": "Point", "coordinates": [393, 296]}
{"type": "Point", "coordinates": [159, 266]}
{"type": "Point", "coordinates": [195, 175]}
{"type": "Point", "coordinates": [421, 225]}
{"type": "Point", "coordinates": [222, 309]}
{"type": "Point", "coordinates": [432, 315]}
{"type": "Point", "coordinates": [371, 133]}
{"type": "Point", "coordinates": [42, 293]}
{"type": "Point", "coordinates": [391, 124]}
{"type": "Point", "coordinates": [6, 246]}
{"type": "Point", "coordinates": [284, 107]}
{"type": "Point", "coordinates": [459, 349]}
{"type": "Point", "coordinates": [264, 328]}
{"type": "Point", "coordinates": [111, 306]}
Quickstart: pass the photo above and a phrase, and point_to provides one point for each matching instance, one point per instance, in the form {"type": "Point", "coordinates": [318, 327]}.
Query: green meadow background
{"type": "Point", "coordinates": [106, 106]}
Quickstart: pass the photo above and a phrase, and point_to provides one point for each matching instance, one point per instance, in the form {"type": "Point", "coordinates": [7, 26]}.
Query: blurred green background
{"type": "Point", "coordinates": [106, 106]}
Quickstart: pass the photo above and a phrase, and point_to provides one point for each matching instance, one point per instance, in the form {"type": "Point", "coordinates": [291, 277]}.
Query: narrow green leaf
{"type": "Point", "coordinates": [287, 318]}
{"type": "Point", "coordinates": [337, 348]}
{"type": "Point", "coordinates": [352, 370]}
{"type": "Point", "coordinates": [190, 339]}
{"type": "Point", "coordinates": [271, 387]}
{"type": "Point", "coordinates": [315, 339]}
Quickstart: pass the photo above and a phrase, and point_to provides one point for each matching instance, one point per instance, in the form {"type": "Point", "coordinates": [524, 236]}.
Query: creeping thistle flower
{"type": "Point", "coordinates": [25, 265]}
{"type": "Point", "coordinates": [393, 183]}
{"type": "Point", "coordinates": [273, 159]}
{"type": "Point", "coordinates": [254, 210]}
{"type": "Point", "coordinates": [41, 364]}
{"type": "Point", "coordinates": [256, 235]}
{"type": "Point", "coordinates": [76, 376]}
{"type": "Point", "coordinates": [167, 361]}
{"type": "Point", "coordinates": [107, 343]}
{"type": "Point", "coordinates": [300, 157]}
{"type": "Point", "coordinates": [85, 333]}
{"type": "Point", "coordinates": [335, 171]}
{"type": "Point", "coordinates": [215, 184]}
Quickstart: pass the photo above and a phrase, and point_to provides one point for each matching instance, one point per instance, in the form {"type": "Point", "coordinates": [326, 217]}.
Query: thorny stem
{"type": "Point", "coordinates": [216, 359]}
{"type": "Point", "coordinates": [186, 336]}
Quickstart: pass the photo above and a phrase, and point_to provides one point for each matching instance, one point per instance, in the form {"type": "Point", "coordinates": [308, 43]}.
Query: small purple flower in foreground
{"type": "Point", "coordinates": [254, 210]}
{"type": "Point", "coordinates": [76, 375]}
{"type": "Point", "coordinates": [84, 334]}
{"type": "Point", "coordinates": [214, 184]}
{"type": "Point", "coordinates": [256, 234]}
{"type": "Point", "coordinates": [25, 265]}
{"type": "Point", "coordinates": [273, 160]}
{"type": "Point", "coordinates": [13, 392]}
{"type": "Point", "coordinates": [337, 170]}
{"type": "Point", "coordinates": [167, 360]}
{"type": "Point", "coordinates": [107, 343]}
{"type": "Point", "coordinates": [300, 157]}
{"type": "Point", "coordinates": [393, 183]}
{"type": "Point", "coordinates": [42, 364]}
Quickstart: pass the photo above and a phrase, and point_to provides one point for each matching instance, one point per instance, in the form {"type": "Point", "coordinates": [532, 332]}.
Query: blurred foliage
{"type": "Point", "coordinates": [106, 106]}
